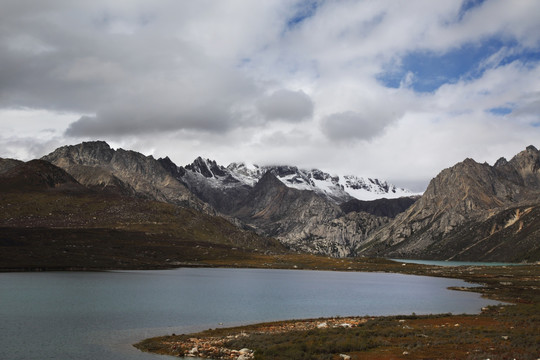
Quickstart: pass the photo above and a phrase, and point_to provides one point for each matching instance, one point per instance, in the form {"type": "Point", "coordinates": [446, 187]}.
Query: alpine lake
{"type": "Point", "coordinates": [100, 315]}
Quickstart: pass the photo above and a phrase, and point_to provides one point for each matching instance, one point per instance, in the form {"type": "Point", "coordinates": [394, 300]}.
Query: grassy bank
{"type": "Point", "coordinates": [500, 332]}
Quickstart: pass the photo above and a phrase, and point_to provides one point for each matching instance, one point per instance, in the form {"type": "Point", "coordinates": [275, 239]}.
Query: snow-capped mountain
{"type": "Point", "coordinates": [363, 188]}
{"type": "Point", "coordinates": [337, 188]}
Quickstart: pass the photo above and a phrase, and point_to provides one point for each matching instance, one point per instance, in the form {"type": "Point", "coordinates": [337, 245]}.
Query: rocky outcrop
{"type": "Point", "coordinates": [95, 164]}
{"type": "Point", "coordinates": [303, 220]}
{"type": "Point", "coordinates": [335, 237]}
{"type": "Point", "coordinates": [210, 182]}
{"type": "Point", "coordinates": [100, 179]}
{"type": "Point", "coordinates": [452, 218]}
{"type": "Point", "coordinates": [207, 168]}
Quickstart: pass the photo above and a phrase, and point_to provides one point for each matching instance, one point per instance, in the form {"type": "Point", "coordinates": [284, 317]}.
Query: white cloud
{"type": "Point", "coordinates": [508, 84]}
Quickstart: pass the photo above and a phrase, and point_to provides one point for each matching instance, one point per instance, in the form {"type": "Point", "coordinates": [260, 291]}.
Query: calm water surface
{"type": "Point", "coordinates": [455, 263]}
{"type": "Point", "coordinates": [83, 315]}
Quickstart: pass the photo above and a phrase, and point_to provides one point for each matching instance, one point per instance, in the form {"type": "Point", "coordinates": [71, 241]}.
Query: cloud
{"type": "Point", "coordinates": [286, 105]}
{"type": "Point", "coordinates": [528, 109]}
{"type": "Point", "coordinates": [351, 125]}
{"type": "Point", "coordinates": [27, 148]}
{"type": "Point", "coordinates": [139, 119]}
{"type": "Point", "coordinates": [158, 76]}
{"type": "Point", "coordinates": [316, 81]}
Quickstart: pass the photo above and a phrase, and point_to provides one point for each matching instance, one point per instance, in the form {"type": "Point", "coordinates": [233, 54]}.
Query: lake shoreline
{"type": "Point", "coordinates": [507, 330]}
{"type": "Point", "coordinates": [518, 285]}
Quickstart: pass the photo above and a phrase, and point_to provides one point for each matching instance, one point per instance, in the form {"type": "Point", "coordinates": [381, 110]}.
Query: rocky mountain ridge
{"type": "Point", "coordinates": [281, 201]}
{"type": "Point", "coordinates": [470, 211]}
{"type": "Point", "coordinates": [96, 164]}
{"type": "Point", "coordinates": [302, 220]}
{"type": "Point", "coordinates": [48, 220]}
{"type": "Point", "coordinates": [465, 211]}
{"type": "Point", "coordinates": [298, 207]}
{"type": "Point", "coordinates": [305, 219]}
{"type": "Point", "coordinates": [336, 188]}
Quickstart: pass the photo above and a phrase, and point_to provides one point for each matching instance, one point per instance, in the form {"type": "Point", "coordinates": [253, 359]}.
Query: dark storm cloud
{"type": "Point", "coordinates": [133, 77]}
{"type": "Point", "coordinates": [40, 59]}
{"type": "Point", "coordinates": [352, 125]}
{"type": "Point", "coordinates": [286, 105]}
{"type": "Point", "coordinates": [138, 120]}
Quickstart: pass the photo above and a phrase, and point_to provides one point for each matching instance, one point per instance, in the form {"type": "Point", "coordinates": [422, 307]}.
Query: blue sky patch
{"type": "Point", "coordinates": [501, 111]}
{"type": "Point", "coordinates": [468, 5]}
{"type": "Point", "coordinates": [304, 10]}
{"type": "Point", "coordinates": [432, 70]}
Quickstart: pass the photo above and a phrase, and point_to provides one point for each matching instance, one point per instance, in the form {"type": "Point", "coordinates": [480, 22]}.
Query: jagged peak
{"type": "Point", "coordinates": [531, 153]}
{"type": "Point", "coordinates": [269, 179]}
{"type": "Point", "coordinates": [501, 162]}
{"type": "Point", "coordinates": [243, 165]}
{"type": "Point", "coordinates": [100, 143]}
{"type": "Point", "coordinates": [206, 167]}
{"type": "Point", "coordinates": [321, 175]}
{"type": "Point", "coordinates": [282, 170]}
{"type": "Point", "coordinates": [465, 166]}
{"type": "Point", "coordinates": [470, 161]}
{"type": "Point", "coordinates": [171, 167]}
{"type": "Point", "coordinates": [87, 145]}
{"type": "Point", "coordinates": [88, 153]}
{"type": "Point", "coordinates": [167, 160]}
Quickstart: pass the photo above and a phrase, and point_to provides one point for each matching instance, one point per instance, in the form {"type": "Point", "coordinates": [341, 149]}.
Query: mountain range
{"type": "Point", "coordinates": [298, 207]}
{"type": "Point", "coordinates": [470, 211]}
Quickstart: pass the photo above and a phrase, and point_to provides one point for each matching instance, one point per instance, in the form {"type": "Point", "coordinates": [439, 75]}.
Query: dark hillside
{"type": "Point", "coordinates": [380, 207]}
{"type": "Point", "coordinates": [48, 220]}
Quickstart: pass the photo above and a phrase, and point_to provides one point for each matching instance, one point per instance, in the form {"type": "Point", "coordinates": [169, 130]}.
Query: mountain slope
{"type": "Point", "coordinates": [210, 182]}
{"type": "Point", "coordinates": [224, 188]}
{"type": "Point", "coordinates": [465, 211]}
{"type": "Point", "coordinates": [298, 207]}
{"type": "Point", "coordinates": [49, 220]}
{"type": "Point", "coordinates": [95, 164]}
{"type": "Point", "coordinates": [35, 175]}
{"type": "Point", "coordinates": [380, 207]}
{"type": "Point", "coordinates": [6, 164]}
{"type": "Point", "coordinates": [304, 220]}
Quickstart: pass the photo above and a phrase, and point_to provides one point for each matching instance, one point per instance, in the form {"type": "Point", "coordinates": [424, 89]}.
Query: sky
{"type": "Point", "coordinates": [396, 90]}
